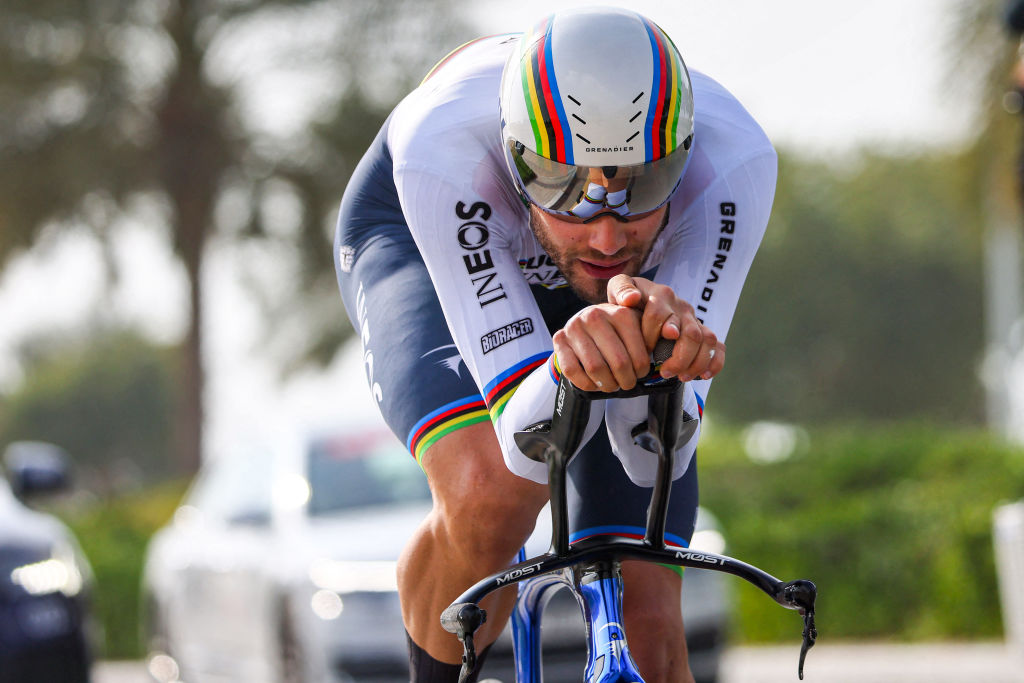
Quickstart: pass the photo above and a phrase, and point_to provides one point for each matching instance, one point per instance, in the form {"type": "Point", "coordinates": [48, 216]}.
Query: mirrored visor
{"type": "Point", "coordinates": [583, 191]}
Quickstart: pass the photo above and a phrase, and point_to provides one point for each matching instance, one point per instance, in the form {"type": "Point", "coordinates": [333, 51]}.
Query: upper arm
{"type": "Point", "coordinates": [707, 260]}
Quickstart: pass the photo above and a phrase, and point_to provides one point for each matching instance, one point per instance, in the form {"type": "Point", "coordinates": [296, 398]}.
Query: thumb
{"type": "Point", "coordinates": [623, 291]}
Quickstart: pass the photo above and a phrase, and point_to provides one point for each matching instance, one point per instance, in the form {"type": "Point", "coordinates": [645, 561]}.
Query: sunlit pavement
{"type": "Point", "coordinates": [878, 663]}
{"type": "Point", "coordinates": [120, 672]}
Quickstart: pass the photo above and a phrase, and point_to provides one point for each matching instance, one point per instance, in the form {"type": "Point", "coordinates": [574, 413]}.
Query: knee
{"type": "Point", "coordinates": [484, 511]}
{"type": "Point", "coordinates": [486, 522]}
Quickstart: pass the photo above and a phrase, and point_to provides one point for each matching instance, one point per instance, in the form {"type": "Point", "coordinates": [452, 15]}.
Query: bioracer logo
{"type": "Point", "coordinates": [503, 335]}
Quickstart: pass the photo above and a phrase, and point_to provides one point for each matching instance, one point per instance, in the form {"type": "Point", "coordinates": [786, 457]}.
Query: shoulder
{"type": "Point", "coordinates": [455, 109]}
{"type": "Point", "coordinates": [727, 139]}
{"type": "Point", "coordinates": [722, 123]}
{"type": "Point", "coordinates": [446, 132]}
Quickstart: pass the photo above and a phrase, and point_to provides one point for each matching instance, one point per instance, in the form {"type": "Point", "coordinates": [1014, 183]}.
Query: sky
{"type": "Point", "coordinates": [820, 77]}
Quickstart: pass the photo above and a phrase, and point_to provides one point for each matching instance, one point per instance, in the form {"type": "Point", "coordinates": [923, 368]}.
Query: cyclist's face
{"type": "Point", "coordinates": [589, 254]}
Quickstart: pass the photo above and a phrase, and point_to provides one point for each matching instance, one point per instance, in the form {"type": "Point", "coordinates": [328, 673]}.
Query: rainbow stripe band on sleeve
{"type": "Point", "coordinates": [446, 419]}
{"type": "Point", "coordinates": [554, 372]}
{"type": "Point", "coordinates": [500, 389]}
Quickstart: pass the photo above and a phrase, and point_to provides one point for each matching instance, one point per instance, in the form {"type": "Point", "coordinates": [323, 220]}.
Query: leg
{"type": "Point", "coordinates": [603, 500]}
{"type": "Point", "coordinates": [654, 622]}
{"type": "Point", "coordinates": [482, 512]}
{"type": "Point", "coordinates": [482, 515]}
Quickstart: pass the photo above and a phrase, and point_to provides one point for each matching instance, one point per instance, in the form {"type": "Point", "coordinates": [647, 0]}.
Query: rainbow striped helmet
{"type": "Point", "coordinates": [596, 113]}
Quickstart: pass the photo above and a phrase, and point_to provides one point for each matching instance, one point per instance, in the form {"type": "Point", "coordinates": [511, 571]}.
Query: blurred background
{"type": "Point", "coordinates": [170, 172]}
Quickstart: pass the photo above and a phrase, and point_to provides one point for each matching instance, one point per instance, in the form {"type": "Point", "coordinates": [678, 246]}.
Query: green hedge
{"type": "Point", "coordinates": [892, 523]}
{"type": "Point", "coordinates": [114, 533]}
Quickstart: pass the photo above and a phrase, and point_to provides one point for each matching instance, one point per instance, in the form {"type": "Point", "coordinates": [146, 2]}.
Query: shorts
{"type": "Point", "coordinates": [423, 388]}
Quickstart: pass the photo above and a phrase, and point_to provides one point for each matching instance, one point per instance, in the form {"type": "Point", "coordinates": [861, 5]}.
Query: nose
{"type": "Point", "coordinates": [607, 235]}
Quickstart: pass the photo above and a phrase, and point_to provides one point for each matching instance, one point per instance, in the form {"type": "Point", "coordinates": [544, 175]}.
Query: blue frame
{"type": "Point", "coordinates": [608, 656]}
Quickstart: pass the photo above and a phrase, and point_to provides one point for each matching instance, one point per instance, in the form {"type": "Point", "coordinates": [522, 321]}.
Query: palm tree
{"type": "Point", "coordinates": [106, 101]}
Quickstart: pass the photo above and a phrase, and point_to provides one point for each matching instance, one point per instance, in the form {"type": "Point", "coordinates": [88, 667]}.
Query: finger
{"type": "Point", "coordinates": [717, 362]}
{"type": "Point", "coordinates": [661, 308]}
{"type": "Point", "coordinates": [615, 334]}
{"type": "Point", "coordinates": [624, 291]}
{"type": "Point", "coordinates": [691, 338]}
{"type": "Point", "coordinates": [627, 325]}
{"type": "Point", "coordinates": [569, 363]}
{"type": "Point", "coordinates": [704, 357]}
{"type": "Point", "coordinates": [583, 333]}
{"type": "Point", "coordinates": [670, 330]}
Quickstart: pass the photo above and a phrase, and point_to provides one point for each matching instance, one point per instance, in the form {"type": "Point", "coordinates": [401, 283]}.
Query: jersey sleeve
{"type": "Point", "coordinates": [463, 233]}
{"type": "Point", "coordinates": [705, 262]}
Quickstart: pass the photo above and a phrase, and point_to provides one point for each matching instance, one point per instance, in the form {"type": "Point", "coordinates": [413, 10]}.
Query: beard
{"type": "Point", "coordinates": [591, 289]}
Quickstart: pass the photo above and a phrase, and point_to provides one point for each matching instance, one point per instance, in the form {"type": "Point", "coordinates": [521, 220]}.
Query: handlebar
{"type": "Point", "coordinates": [556, 441]}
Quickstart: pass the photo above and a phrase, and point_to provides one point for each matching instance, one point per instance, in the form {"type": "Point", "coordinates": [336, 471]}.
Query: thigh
{"type": "Point", "coordinates": [416, 375]}
{"type": "Point", "coordinates": [603, 500]}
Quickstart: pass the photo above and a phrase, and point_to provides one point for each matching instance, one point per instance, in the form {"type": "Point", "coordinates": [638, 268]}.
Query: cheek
{"type": "Point", "coordinates": [641, 235]}
{"type": "Point", "coordinates": [646, 231]}
{"type": "Point", "coordinates": [568, 237]}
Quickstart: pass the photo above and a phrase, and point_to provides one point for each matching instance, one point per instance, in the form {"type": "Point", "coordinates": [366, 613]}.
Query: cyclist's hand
{"type": "Point", "coordinates": [697, 353]}
{"type": "Point", "coordinates": [602, 348]}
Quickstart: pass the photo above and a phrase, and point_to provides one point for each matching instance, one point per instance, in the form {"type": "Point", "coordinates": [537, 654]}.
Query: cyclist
{"type": "Point", "coordinates": [570, 189]}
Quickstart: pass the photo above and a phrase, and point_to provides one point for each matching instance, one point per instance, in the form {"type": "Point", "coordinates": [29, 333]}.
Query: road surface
{"type": "Point", "coordinates": [881, 663]}
{"type": "Point", "coordinates": [874, 663]}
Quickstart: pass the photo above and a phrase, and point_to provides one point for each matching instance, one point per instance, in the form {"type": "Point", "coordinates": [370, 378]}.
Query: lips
{"type": "Point", "coordinates": [603, 271]}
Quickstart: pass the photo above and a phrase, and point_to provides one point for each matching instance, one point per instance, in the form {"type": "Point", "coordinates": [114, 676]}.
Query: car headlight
{"type": "Point", "coordinates": [333, 579]}
{"type": "Point", "coordinates": [59, 573]}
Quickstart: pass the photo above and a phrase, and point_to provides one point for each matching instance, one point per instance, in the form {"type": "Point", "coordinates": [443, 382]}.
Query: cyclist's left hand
{"type": "Point", "coordinates": [698, 353]}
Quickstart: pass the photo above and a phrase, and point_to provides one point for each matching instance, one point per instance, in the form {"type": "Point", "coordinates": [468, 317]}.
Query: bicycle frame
{"type": "Point", "coordinates": [599, 592]}
{"type": "Point", "coordinates": [590, 567]}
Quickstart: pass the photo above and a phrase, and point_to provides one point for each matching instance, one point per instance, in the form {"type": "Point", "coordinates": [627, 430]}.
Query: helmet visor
{"type": "Point", "coordinates": [584, 191]}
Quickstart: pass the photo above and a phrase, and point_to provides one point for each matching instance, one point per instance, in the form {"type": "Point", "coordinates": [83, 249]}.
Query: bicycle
{"type": "Point", "coordinates": [590, 568]}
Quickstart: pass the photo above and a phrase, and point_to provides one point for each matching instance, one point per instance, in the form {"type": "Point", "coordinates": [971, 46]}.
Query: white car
{"type": "Point", "coordinates": [280, 568]}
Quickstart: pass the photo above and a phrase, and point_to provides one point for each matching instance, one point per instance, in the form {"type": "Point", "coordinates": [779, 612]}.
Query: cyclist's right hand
{"type": "Point", "coordinates": [602, 348]}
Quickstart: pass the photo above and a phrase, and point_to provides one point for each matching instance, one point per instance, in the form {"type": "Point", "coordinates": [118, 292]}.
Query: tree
{"type": "Point", "coordinates": [105, 102]}
{"type": "Point", "coordinates": [867, 298]}
{"type": "Point", "coordinates": [864, 301]}
{"type": "Point", "coordinates": [107, 399]}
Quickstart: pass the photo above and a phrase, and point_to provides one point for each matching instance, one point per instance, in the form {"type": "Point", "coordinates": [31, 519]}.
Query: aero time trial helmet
{"type": "Point", "coordinates": [596, 113]}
